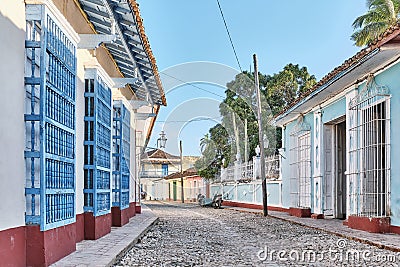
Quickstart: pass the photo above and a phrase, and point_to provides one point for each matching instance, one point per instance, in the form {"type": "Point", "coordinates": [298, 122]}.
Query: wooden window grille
{"type": "Point", "coordinates": [97, 146]}
{"type": "Point", "coordinates": [121, 155]}
{"type": "Point", "coordinates": [50, 85]}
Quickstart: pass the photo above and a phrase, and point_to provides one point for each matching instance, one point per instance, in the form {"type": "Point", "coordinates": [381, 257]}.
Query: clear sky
{"type": "Point", "coordinates": [315, 34]}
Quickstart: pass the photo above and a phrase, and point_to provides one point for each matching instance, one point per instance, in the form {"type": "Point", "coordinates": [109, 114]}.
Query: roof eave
{"type": "Point", "coordinates": [389, 40]}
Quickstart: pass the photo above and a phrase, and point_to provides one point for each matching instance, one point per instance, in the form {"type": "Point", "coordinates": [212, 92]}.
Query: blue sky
{"type": "Point", "coordinates": [315, 34]}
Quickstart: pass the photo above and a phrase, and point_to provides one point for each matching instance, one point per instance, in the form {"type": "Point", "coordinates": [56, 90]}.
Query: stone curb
{"type": "Point", "coordinates": [133, 243]}
{"type": "Point", "coordinates": [354, 238]}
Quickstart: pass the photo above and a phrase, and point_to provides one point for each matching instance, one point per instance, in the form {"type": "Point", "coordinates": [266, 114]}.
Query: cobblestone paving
{"type": "Point", "coordinates": [188, 235]}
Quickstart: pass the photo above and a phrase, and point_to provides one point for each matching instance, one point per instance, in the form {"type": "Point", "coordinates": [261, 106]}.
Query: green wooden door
{"type": "Point", "coordinates": [174, 190]}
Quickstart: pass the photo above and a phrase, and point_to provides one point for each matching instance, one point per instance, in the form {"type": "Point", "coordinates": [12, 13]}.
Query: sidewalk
{"type": "Point", "coordinates": [106, 250]}
{"type": "Point", "coordinates": [336, 227]}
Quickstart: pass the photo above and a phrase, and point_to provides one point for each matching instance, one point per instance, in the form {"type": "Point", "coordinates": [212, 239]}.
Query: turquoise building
{"type": "Point", "coordinates": [340, 142]}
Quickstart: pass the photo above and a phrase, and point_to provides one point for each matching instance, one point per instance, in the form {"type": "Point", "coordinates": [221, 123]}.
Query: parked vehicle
{"type": "Point", "coordinates": [215, 202]}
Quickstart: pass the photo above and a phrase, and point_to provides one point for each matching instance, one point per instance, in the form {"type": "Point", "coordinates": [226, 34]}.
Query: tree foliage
{"type": "Point", "coordinates": [283, 88]}
{"type": "Point", "coordinates": [213, 146]}
{"type": "Point", "coordinates": [380, 16]}
{"type": "Point", "coordinates": [227, 139]}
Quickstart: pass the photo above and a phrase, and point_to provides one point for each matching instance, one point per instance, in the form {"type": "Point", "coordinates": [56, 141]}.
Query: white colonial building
{"type": "Point", "coordinates": [81, 92]}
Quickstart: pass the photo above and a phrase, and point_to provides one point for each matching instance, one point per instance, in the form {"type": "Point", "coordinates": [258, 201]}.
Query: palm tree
{"type": "Point", "coordinates": [381, 15]}
{"type": "Point", "coordinates": [204, 142]}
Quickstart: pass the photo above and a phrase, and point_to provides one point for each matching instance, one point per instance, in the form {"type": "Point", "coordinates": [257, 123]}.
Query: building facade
{"type": "Point", "coordinates": [193, 185]}
{"type": "Point", "coordinates": [82, 92]}
{"type": "Point", "coordinates": [157, 164]}
{"type": "Point", "coordinates": [340, 141]}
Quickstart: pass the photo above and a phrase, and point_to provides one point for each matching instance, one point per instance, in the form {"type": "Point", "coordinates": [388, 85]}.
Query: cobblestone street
{"type": "Point", "coordinates": [189, 235]}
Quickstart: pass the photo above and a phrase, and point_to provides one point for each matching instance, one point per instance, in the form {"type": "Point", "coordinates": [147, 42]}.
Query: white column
{"type": "Point", "coordinates": [350, 161]}
{"type": "Point", "coordinates": [224, 174]}
{"type": "Point", "coordinates": [256, 167]}
{"type": "Point", "coordinates": [237, 170]}
{"type": "Point", "coordinates": [318, 162]}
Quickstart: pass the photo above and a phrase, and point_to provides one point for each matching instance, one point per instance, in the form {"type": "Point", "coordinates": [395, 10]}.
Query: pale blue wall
{"type": "Point", "coordinates": [248, 193]}
{"type": "Point", "coordinates": [334, 111]}
{"type": "Point", "coordinates": [391, 78]}
{"type": "Point", "coordinates": [229, 192]}
{"type": "Point", "coordinates": [245, 193]}
{"type": "Point", "coordinates": [274, 196]}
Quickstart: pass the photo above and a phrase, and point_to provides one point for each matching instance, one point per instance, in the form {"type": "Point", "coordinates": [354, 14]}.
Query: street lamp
{"type": "Point", "coordinates": [162, 140]}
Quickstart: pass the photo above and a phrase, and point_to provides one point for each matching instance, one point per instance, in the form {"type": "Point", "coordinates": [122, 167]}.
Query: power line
{"type": "Point", "coordinates": [192, 120]}
{"type": "Point", "coordinates": [189, 83]}
{"type": "Point", "coordinates": [229, 35]}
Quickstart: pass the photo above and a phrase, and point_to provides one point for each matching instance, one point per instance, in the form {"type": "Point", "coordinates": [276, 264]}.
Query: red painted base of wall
{"type": "Point", "coordinates": [317, 216]}
{"type": "Point", "coordinates": [47, 247]}
{"type": "Point", "coordinates": [119, 217]}
{"type": "Point", "coordinates": [80, 227]}
{"type": "Point", "coordinates": [372, 225]}
{"type": "Point", "coordinates": [132, 209]}
{"type": "Point", "coordinates": [300, 212]}
{"type": "Point", "coordinates": [242, 205]}
{"type": "Point", "coordinates": [395, 229]}
{"type": "Point", "coordinates": [96, 227]}
{"type": "Point", "coordinates": [252, 206]}
{"type": "Point", "coordinates": [12, 247]}
{"type": "Point", "coordinates": [280, 209]}
{"type": "Point", "coordinates": [138, 209]}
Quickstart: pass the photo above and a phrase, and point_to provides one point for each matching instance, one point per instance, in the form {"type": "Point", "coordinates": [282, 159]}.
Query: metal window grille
{"type": "Point", "coordinates": [369, 155]}
{"type": "Point", "coordinates": [97, 147]}
{"type": "Point", "coordinates": [50, 107]}
{"type": "Point", "coordinates": [300, 165]}
{"type": "Point", "coordinates": [121, 155]}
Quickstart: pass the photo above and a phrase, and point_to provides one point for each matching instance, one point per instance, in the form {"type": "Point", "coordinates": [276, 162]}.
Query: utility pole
{"type": "Point", "coordinates": [180, 150]}
{"type": "Point", "coordinates": [246, 139]}
{"type": "Point", "coordinates": [260, 137]}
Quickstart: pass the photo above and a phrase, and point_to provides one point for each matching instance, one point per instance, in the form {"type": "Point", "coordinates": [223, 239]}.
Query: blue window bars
{"type": "Point", "coordinates": [97, 147]}
{"type": "Point", "coordinates": [49, 121]}
{"type": "Point", "coordinates": [121, 155]}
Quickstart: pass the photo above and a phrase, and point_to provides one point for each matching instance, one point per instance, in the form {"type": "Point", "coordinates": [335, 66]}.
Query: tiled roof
{"type": "Point", "coordinates": [149, 52]}
{"type": "Point", "coordinates": [389, 35]}
{"type": "Point", "coordinates": [131, 47]}
{"type": "Point", "coordinates": [189, 172]}
{"type": "Point", "coordinates": [159, 154]}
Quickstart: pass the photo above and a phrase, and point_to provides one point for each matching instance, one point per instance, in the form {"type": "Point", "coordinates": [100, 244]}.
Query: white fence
{"type": "Point", "coordinates": [249, 192]}
{"type": "Point", "coordinates": [250, 171]}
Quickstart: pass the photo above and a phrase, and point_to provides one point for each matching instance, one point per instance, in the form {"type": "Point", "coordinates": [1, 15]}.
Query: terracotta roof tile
{"type": "Point", "coordinates": [143, 36]}
{"type": "Point", "coordinates": [390, 33]}
{"type": "Point", "coordinates": [189, 172]}
{"type": "Point", "coordinates": [159, 154]}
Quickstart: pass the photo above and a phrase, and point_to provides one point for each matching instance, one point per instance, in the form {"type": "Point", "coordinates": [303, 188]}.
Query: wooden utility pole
{"type": "Point", "coordinates": [260, 137]}
{"type": "Point", "coordinates": [182, 194]}
{"type": "Point", "coordinates": [246, 153]}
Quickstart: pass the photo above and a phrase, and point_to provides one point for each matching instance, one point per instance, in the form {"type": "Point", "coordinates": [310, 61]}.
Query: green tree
{"type": "Point", "coordinates": [283, 88]}
{"type": "Point", "coordinates": [214, 147]}
{"type": "Point", "coordinates": [380, 16]}
{"type": "Point", "coordinates": [240, 106]}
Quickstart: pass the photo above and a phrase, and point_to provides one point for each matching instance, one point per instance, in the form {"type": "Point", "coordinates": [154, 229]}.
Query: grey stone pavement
{"type": "Point", "coordinates": [122, 242]}
{"type": "Point", "coordinates": [334, 226]}
{"type": "Point", "coordinates": [105, 251]}
{"type": "Point", "coordinates": [189, 235]}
